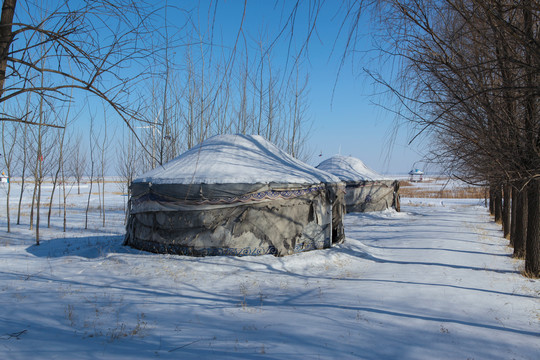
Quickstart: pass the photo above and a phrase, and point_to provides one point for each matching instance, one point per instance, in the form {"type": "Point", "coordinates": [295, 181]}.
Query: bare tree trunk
{"type": "Point", "coordinates": [260, 91]}
{"type": "Point", "coordinates": [77, 162]}
{"type": "Point", "coordinates": [513, 216]}
{"type": "Point", "coordinates": [92, 145]}
{"type": "Point", "coordinates": [21, 195]}
{"type": "Point", "coordinates": [64, 196]}
{"type": "Point", "coordinates": [65, 179]}
{"type": "Point", "coordinates": [89, 193]}
{"type": "Point", "coordinates": [507, 210]}
{"type": "Point", "coordinates": [126, 167]}
{"type": "Point", "coordinates": [6, 37]}
{"type": "Point", "coordinates": [532, 256]}
{"type": "Point", "coordinates": [33, 199]}
{"type": "Point", "coordinates": [520, 236]}
{"type": "Point", "coordinates": [7, 204]}
{"type": "Point", "coordinates": [164, 134]}
{"type": "Point", "coordinates": [99, 195]}
{"type": "Point", "coordinates": [103, 164]}
{"type": "Point", "coordinates": [36, 181]}
{"type": "Point", "coordinates": [103, 197]}
{"type": "Point", "coordinates": [39, 166]}
{"type": "Point", "coordinates": [243, 110]}
{"type": "Point", "coordinates": [8, 157]}
{"type": "Point", "coordinates": [291, 138]}
{"type": "Point", "coordinates": [60, 167]}
{"type": "Point", "coordinates": [202, 99]}
{"type": "Point", "coordinates": [38, 200]}
{"type": "Point", "coordinates": [491, 200]}
{"type": "Point", "coordinates": [55, 182]}
{"type": "Point", "coordinates": [40, 150]}
{"type": "Point", "coordinates": [497, 199]}
{"type": "Point", "coordinates": [23, 175]}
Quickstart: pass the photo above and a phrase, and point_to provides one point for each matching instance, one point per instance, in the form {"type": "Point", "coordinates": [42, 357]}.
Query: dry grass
{"type": "Point", "coordinates": [408, 189]}
{"type": "Point", "coordinates": [462, 193]}
{"type": "Point", "coordinates": [405, 183]}
{"type": "Point", "coordinates": [530, 275]}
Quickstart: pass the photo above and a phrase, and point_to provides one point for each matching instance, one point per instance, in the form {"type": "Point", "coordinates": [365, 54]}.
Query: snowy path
{"type": "Point", "coordinates": [455, 292]}
{"type": "Point", "coordinates": [433, 282]}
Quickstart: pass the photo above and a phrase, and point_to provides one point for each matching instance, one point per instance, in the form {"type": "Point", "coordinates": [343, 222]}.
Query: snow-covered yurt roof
{"type": "Point", "coordinates": [226, 159]}
{"type": "Point", "coordinates": [348, 168]}
{"type": "Point", "coordinates": [230, 165]}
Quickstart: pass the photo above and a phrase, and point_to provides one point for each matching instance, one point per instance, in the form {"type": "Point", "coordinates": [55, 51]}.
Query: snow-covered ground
{"type": "Point", "coordinates": [436, 281]}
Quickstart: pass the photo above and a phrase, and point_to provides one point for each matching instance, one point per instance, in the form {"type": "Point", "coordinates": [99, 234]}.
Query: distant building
{"type": "Point", "coordinates": [416, 175]}
{"type": "Point", "coordinates": [4, 178]}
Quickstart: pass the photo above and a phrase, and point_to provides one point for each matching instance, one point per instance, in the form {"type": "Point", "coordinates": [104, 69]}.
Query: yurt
{"type": "Point", "coordinates": [366, 190]}
{"type": "Point", "coordinates": [235, 195]}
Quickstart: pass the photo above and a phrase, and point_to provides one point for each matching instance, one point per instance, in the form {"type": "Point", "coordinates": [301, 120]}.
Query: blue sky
{"type": "Point", "coordinates": [343, 113]}
{"type": "Point", "coordinates": [345, 118]}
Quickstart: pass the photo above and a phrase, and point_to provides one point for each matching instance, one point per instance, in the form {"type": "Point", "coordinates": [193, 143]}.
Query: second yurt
{"type": "Point", "coordinates": [366, 190]}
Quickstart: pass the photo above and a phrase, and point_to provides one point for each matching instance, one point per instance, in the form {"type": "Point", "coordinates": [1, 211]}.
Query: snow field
{"type": "Point", "coordinates": [434, 281]}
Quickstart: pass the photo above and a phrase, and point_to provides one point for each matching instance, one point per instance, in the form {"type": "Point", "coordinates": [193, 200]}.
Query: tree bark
{"type": "Point", "coordinates": [7, 162]}
{"type": "Point", "coordinates": [55, 182]}
{"type": "Point", "coordinates": [6, 37]}
{"type": "Point", "coordinates": [513, 217]}
{"type": "Point", "coordinates": [507, 210]}
{"type": "Point", "coordinates": [520, 235]}
{"type": "Point", "coordinates": [491, 200]}
{"type": "Point", "coordinates": [497, 204]}
{"type": "Point", "coordinates": [34, 194]}
{"type": "Point", "coordinates": [23, 175]}
{"type": "Point", "coordinates": [64, 197]}
{"type": "Point", "coordinates": [532, 256]}
{"type": "Point", "coordinates": [7, 205]}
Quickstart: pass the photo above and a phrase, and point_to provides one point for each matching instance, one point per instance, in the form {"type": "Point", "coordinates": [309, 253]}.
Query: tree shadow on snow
{"type": "Point", "coordinates": [90, 247]}
{"type": "Point", "coordinates": [359, 253]}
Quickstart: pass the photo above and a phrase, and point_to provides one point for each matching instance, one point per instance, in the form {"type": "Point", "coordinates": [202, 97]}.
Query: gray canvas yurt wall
{"type": "Point", "coordinates": [365, 189]}
{"type": "Point", "coordinates": [235, 195]}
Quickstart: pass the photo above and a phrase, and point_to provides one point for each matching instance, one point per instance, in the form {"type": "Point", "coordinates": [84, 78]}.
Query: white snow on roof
{"type": "Point", "coordinates": [349, 168]}
{"type": "Point", "coordinates": [229, 159]}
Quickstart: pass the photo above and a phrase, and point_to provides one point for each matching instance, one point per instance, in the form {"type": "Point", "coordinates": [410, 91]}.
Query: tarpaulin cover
{"type": "Point", "coordinates": [235, 195]}
{"type": "Point", "coordinates": [366, 190]}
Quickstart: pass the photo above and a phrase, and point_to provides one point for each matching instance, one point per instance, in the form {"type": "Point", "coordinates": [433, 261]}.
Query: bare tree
{"type": "Point", "coordinates": [23, 153]}
{"type": "Point", "coordinates": [297, 113]}
{"type": "Point", "coordinates": [6, 37]}
{"type": "Point", "coordinates": [127, 165]}
{"type": "Point", "coordinates": [93, 142]}
{"type": "Point", "coordinates": [468, 82]}
{"type": "Point", "coordinates": [60, 162]}
{"type": "Point", "coordinates": [9, 139]}
{"type": "Point", "coordinates": [103, 148]}
{"type": "Point", "coordinates": [67, 182]}
{"type": "Point", "coordinates": [92, 39]}
{"type": "Point", "coordinates": [38, 173]}
{"type": "Point", "coordinates": [77, 162]}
